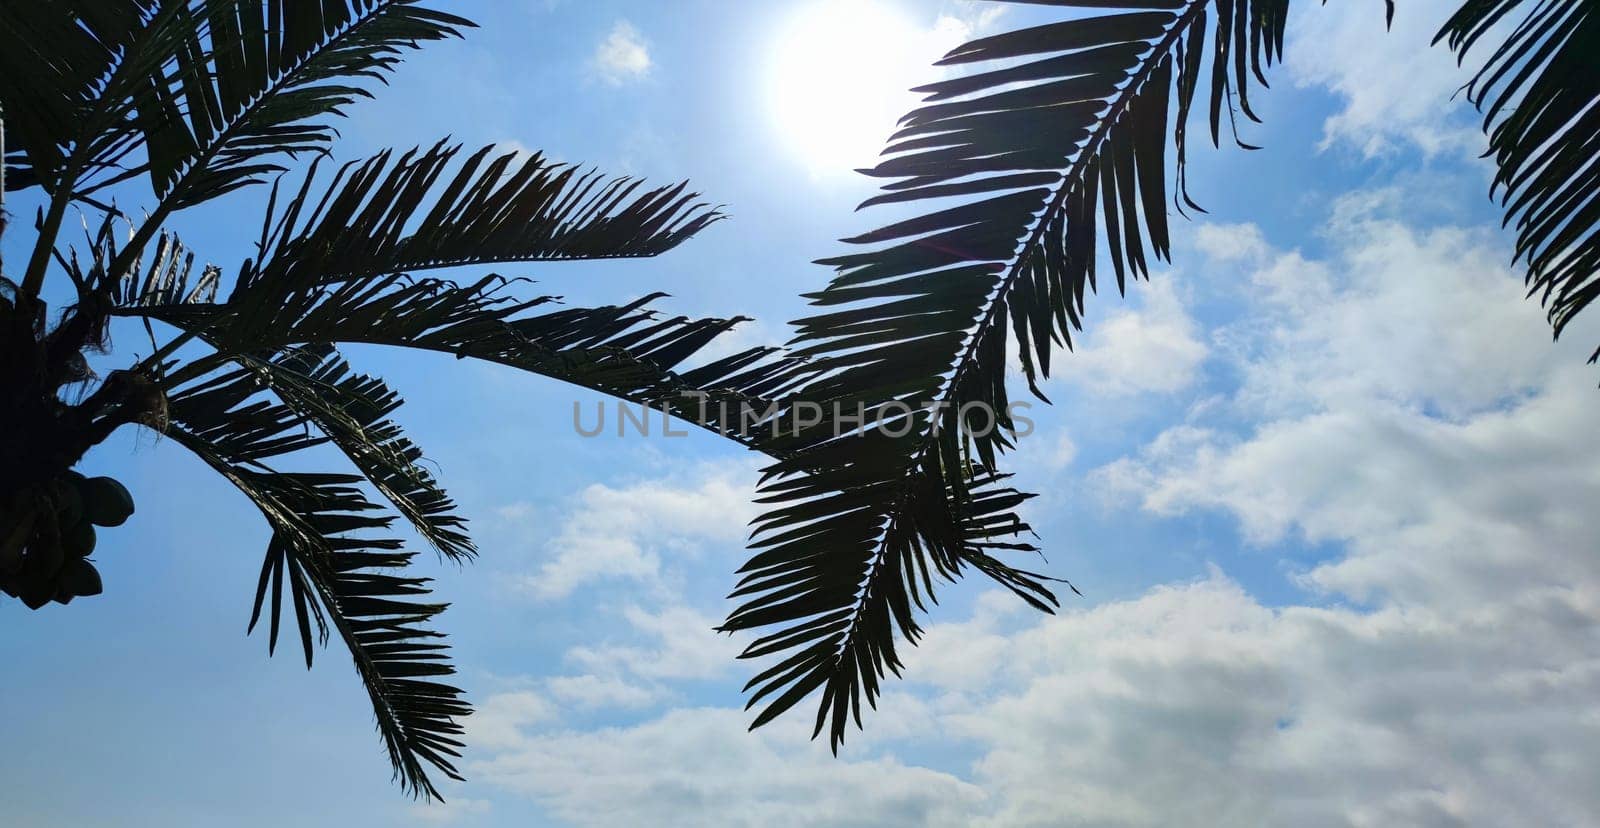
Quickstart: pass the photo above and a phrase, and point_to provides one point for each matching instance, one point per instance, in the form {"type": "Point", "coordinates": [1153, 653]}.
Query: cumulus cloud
{"type": "Point", "coordinates": [1060, 452]}
{"type": "Point", "coordinates": [698, 766]}
{"type": "Point", "coordinates": [681, 645]}
{"type": "Point", "coordinates": [1154, 348]}
{"type": "Point", "coordinates": [1407, 407]}
{"type": "Point", "coordinates": [498, 721]}
{"type": "Point", "coordinates": [1383, 382]}
{"type": "Point", "coordinates": [1196, 705]}
{"type": "Point", "coordinates": [1421, 318]}
{"type": "Point", "coordinates": [619, 532]}
{"type": "Point", "coordinates": [1444, 677]}
{"type": "Point", "coordinates": [449, 812]}
{"type": "Point", "coordinates": [1396, 88]}
{"type": "Point", "coordinates": [623, 56]}
{"type": "Point", "coordinates": [593, 692]}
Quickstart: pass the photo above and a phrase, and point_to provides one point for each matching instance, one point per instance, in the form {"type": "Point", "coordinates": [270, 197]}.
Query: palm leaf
{"type": "Point", "coordinates": [55, 59]}
{"type": "Point", "coordinates": [215, 92]}
{"type": "Point", "coordinates": [627, 351]}
{"type": "Point", "coordinates": [335, 258]}
{"type": "Point", "coordinates": [334, 580]}
{"type": "Point", "coordinates": [840, 615]}
{"type": "Point", "coordinates": [250, 86]}
{"type": "Point", "coordinates": [391, 214]}
{"type": "Point", "coordinates": [351, 409]}
{"type": "Point", "coordinates": [1539, 92]}
{"type": "Point", "coordinates": [1062, 130]}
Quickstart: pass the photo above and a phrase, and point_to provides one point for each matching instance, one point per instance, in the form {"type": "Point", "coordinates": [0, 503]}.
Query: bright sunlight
{"type": "Point", "coordinates": [840, 75]}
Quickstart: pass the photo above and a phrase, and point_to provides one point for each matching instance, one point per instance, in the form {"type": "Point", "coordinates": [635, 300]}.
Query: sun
{"type": "Point", "coordinates": [839, 76]}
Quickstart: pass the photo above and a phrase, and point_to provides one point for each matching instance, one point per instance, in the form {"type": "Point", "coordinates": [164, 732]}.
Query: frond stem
{"type": "Point", "coordinates": [1090, 150]}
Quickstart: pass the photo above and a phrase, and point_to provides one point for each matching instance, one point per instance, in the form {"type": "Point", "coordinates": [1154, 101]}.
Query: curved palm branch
{"type": "Point", "coordinates": [1539, 92]}
{"type": "Point", "coordinates": [279, 402]}
{"type": "Point", "coordinates": [206, 96]}
{"type": "Point", "coordinates": [214, 93]}
{"type": "Point", "coordinates": [1062, 131]}
{"type": "Point", "coordinates": [332, 271]}
{"type": "Point", "coordinates": [333, 579]}
{"type": "Point", "coordinates": [377, 218]}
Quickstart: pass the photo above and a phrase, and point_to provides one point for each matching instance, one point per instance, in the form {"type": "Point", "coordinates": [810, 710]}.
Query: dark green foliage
{"type": "Point", "coordinates": [1052, 151]}
{"type": "Point", "coordinates": [200, 98]}
{"type": "Point", "coordinates": [1061, 130]}
{"type": "Point", "coordinates": [330, 548]}
{"type": "Point", "coordinates": [1539, 91]}
{"type": "Point", "coordinates": [215, 93]}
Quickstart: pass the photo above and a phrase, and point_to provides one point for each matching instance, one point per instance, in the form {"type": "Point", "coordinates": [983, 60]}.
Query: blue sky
{"type": "Point", "coordinates": [1325, 482]}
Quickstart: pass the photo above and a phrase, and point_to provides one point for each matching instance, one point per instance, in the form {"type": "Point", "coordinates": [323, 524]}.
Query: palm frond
{"type": "Point", "coordinates": [627, 351]}
{"type": "Point", "coordinates": [251, 85]}
{"type": "Point", "coordinates": [163, 278]}
{"type": "Point", "coordinates": [389, 214]}
{"type": "Point", "coordinates": [1062, 130]}
{"type": "Point", "coordinates": [336, 579]}
{"type": "Point", "coordinates": [351, 409]}
{"type": "Point", "coordinates": [214, 92]}
{"type": "Point", "coordinates": [840, 614]}
{"type": "Point", "coordinates": [1539, 92]}
{"type": "Point", "coordinates": [55, 59]}
{"type": "Point", "coordinates": [335, 258]}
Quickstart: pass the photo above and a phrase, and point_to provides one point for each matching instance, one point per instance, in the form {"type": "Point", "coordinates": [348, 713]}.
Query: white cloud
{"type": "Point", "coordinates": [591, 692]}
{"type": "Point", "coordinates": [681, 645]}
{"type": "Point", "coordinates": [697, 767]}
{"type": "Point", "coordinates": [1231, 243]}
{"type": "Point", "coordinates": [497, 722]}
{"type": "Point", "coordinates": [1154, 348]}
{"type": "Point", "coordinates": [1196, 705]}
{"type": "Point", "coordinates": [1424, 319]}
{"type": "Point", "coordinates": [453, 810]}
{"type": "Point", "coordinates": [1413, 412]}
{"type": "Point", "coordinates": [623, 56]}
{"type": "Point", "coordinates": [1061, 452]}
{"type": "Point", "coordinates": [1387, 381]}
{"type": "Point", "coordinates": [1457, 481]}
{"type": "Point", "coordinates": [619, 532]}
{"type": "Point", "coordinates": [1396, 88]}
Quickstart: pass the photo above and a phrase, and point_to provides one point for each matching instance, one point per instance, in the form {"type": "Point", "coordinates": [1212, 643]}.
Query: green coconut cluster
{"type": "Point", "coordinates": [47, 535]}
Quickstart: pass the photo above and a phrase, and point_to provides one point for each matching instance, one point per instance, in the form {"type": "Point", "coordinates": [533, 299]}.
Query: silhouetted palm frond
{"type": "Point", "coordinates": [390, 215]}
{"type": "Point", "coordinates": [1062, 131]}
{"type": "Point", "coordinates": [1539, 92]}
{"type": "Point", "coordinates": [333, 270]}
{"type": "Point", "coordinates": [213, 94]}
{"type": "Point", "coordinates": [337, 575]}
{"type": "Point", "coordinates": [56, 59]}
{"type": "Point", "coordinates": [202, 97]}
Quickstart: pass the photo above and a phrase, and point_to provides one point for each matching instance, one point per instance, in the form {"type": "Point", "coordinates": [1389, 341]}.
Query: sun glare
{"type": "Point", "coordinates": [839, 78]}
